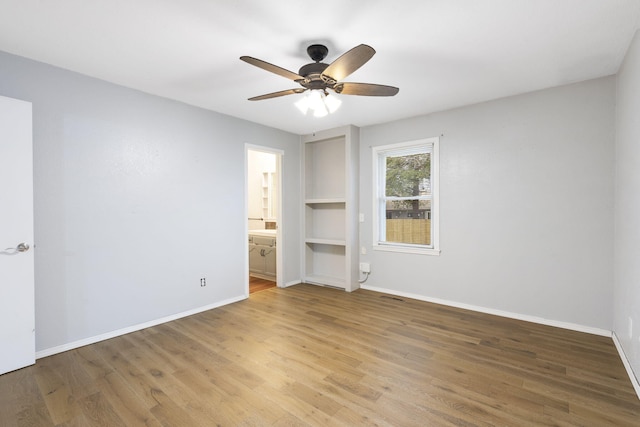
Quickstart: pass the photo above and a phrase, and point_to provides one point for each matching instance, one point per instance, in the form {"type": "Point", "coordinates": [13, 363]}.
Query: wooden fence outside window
{"type": "Point", "coordinates": [408, 230]}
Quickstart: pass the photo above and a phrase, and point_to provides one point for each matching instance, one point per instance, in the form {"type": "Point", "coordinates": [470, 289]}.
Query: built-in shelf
{"type": "Point", "coordinates": [268, 208]}
{"type": "Point", "coordinates": [329, 213]}
{"type": "Point", "coordinates": [325, 221]}
{"type": "Point", "coordinates": [335, 242]}
{"type": "Point", "coordinates": [323, 201]}
{"type": "Point", "coordinates": [325, 264]}
{"type": "Point", "coordinates": [326, 280]}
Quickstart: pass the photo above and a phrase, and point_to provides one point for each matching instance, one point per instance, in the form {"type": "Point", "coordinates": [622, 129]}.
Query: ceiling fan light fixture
{"type": "Point", "coordinates": [303, 104]}
{"type": "Point", "coordinates": [332, 102]}
{"type": "Point", "coordinates": [320, 111]}
{"type": "Point", "coordinates": [315, 99]}
{"type": "Point", "coordinates": [319, 102]}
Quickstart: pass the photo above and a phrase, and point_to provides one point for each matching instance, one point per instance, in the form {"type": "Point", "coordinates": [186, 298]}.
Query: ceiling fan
{"type": "Point", "coordinates": [320, 76]}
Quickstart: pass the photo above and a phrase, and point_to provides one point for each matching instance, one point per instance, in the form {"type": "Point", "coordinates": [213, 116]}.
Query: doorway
{"type": "Point", "coordinates": [263, 202]}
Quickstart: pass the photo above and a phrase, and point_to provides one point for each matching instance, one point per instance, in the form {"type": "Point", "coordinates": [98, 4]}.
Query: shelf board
{"type": "Point", "coordinates": [323, 201]}
{"type": "Point", "coordinates": [334, 242]}
{"type": "Point", "coordinates": [325, 280]}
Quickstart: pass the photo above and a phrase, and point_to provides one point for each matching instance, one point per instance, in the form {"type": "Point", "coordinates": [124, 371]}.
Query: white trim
{"type": "Point", "coordinates": [406, 249]}
{"type": "Point", "coordinates": [508, 314]}
{"type": "Point", "coordinates": [408, 145]}
{"type": "Point", "coordinates": [97, 338]}
{"type": "Point", "coordinates": [435, 194]}
{"type": "Point", "coordinates": [280, 220]}
{"type": "Point", "coordinates": [627, 365]}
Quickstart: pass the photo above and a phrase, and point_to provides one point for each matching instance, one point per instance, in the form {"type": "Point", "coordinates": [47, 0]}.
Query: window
{"type": "Point", "coordinates": [406, 197]}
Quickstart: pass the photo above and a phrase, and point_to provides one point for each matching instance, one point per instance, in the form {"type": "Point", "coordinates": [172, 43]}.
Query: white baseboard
{"type": "Point", "coordinates": [97, 338]}
{"type": "Point", "coordinates": [627, 365]}
{"type": "Point", "coordinates": [526, 318]}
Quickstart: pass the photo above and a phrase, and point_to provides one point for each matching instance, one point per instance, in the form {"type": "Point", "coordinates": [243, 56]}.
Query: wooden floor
{"type": "Point", "coordinates": [257, 285]}
{"type": "Point", "coordinates": [308, 355]}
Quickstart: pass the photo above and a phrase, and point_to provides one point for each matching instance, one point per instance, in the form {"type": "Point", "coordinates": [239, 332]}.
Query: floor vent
{"type": "Point", "coordinates": [394, 298]}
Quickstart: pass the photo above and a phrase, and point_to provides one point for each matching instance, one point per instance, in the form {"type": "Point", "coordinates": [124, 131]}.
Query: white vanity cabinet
{"type": "Point", "coordinates": [262, 255]}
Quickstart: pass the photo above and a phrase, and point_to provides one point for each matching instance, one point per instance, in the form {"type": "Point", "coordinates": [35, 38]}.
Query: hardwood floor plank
{"type": "Point", "coordinates": [202, 411]}
{"type": "Point", "coordinates": [69, 366]}
{"type": "Point", "coordinates": [403, 413]}
{"type": "Point", "coordinates": [300, 409]}
{"type": "Point", "coordinates": [139, 381]}
{"type": "Point", "coordinates": [128, 405]}
{"type": "Point", "coordinates": [92, 361]}
{"type": "Point", "coordinates": [170, 414]}
{"type": "Point", "coordinates": [289, 420]}
{"type": "Point", "coordinates": [313, 397]}
{"type": "Point", "coordinates": [360, 417]}
{"type": "Point", "coordinates": [352, 384]}
{"type": "Point", "coordinates": [55, 391]}
{"type": "Point", "coordinates": [256, 284]}
{"type": "Point", "coordinates": [313, 356]}
{"type": "Point", "coordinates": [34, 415]}
{"type": "Point", "coordinates": [99, 412]}
{"type": "Point", "coordinates": [21, 403]}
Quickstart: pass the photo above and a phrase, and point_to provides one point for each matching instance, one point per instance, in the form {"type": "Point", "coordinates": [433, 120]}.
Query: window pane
{"type": "Point", "coordinates": [415, 231]}
{"type": "Point", "coordinates": [408, 209]}
{"type": "Point", "coordinates": [408, 221]}
{"type": "Point", "coordinates": [408, 175]}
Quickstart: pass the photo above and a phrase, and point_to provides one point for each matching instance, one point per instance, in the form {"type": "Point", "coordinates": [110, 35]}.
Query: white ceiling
{"type": "Point", "coordinates": [440, 53]}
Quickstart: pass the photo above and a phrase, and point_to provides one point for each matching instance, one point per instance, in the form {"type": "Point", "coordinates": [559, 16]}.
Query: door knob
{"type": "Point", "coordinates": [22, 247]}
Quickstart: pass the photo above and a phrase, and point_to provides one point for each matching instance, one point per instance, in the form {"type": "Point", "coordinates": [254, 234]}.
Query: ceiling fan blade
{"type": "Point", "coordinates": [277, 94]}
{"type": "Point", "coordinates": [349, 62]}
{"type": "Point", "coordinates": [272, 68]}
{"type": "Point", "coordinates": [365, 89]}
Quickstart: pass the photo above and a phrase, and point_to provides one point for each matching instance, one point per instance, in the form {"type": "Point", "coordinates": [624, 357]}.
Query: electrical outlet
{"type": "Point", "coordinates": [363, 250]}
{"type": "Point", "coordinates": [365, 267]}
{"type": "Point", "coordinates": [203, 282]}
{"type": "Point", "coordinates": [630, 327]}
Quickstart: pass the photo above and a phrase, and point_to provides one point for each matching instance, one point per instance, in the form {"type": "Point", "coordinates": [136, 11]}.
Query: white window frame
{"type": "Point", "coordinates": [379, 155]}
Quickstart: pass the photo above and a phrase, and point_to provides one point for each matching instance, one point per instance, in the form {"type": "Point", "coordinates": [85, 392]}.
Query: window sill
{"type": "Point", "coordinates": [407, 249]}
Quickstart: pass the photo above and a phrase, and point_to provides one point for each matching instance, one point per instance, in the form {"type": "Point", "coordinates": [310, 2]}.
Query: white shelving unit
{"type": "Point", "coordinates": [330, 208]}
{"type": "Point", "coordinates": [267, 195]}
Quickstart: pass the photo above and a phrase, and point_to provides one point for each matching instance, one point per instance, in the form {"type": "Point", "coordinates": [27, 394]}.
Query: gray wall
{"type": "Point", "coordinates": [136, 198]}
{"type": "Point", "coordinates": [526, 206]}
{"type": "Point", "coordinates": [627, 207]}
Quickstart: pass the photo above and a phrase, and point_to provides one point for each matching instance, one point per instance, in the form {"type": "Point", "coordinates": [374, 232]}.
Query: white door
{"type": "Point", "coordinates": [17, 320]}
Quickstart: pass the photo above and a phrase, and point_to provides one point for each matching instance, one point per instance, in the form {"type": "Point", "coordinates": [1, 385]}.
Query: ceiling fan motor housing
{"type": "Point", "coordinates": [313, 76]}
{"type": "Point", "coordinates": [312, 73]}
